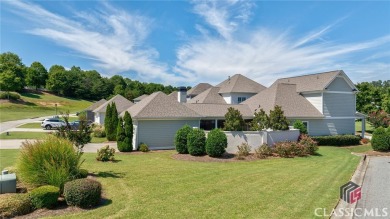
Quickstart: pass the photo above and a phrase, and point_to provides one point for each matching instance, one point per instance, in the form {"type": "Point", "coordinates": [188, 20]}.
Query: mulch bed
{"type": "Point", "coordinates": [226, 157]}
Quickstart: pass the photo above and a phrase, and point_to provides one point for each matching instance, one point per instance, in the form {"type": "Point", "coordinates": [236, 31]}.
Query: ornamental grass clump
{"type": "Point", "coordinates": [52, 161]}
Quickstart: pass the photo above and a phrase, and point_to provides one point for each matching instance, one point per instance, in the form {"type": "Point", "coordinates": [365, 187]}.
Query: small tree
{"type": "Point", "coordinates": [233, 120]}
{"type": "Point", "coordinates": [381, 139]}
{"type": "Point", "coordinates": [196, 141]}
{"type": "Point", "coordinates": [107, 122]}
{"type": "Point", "coordinates": [298, 124]}
{"type": "Point", "coordinates": [114, 121]}
{"type": "Point", "coordinates": [181, 139]}
{"type": "Point", "coordinates": [78, 137]}
{"type": "Point", "coordinates": [128, 131]}
{"type": "Point", "coordinates": [260, 121]}
{"type": "Point", "coordinates": [379, 118]}
{"type": "Point", "coordinates": [277, 119]}
{"type": "Point", "coordinates": [216, 143]}
{"type": "Point", "coordinates": [120, 136]}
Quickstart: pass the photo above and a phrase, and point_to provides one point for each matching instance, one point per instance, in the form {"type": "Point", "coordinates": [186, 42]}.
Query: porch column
{"type": "Point", "coordinates": [363, 126]}
{"type": "Point", "coordinates": [216, 123]}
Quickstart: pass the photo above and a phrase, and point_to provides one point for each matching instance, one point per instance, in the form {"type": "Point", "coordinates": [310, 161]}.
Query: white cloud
{"type": "Point", "coordinates": [112, 38]}
{"type": "Point", "coordinates": [265, 55]}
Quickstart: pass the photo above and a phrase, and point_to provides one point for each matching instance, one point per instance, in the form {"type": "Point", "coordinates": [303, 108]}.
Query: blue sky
{"type": "Point", "coordinates": [186, 42]}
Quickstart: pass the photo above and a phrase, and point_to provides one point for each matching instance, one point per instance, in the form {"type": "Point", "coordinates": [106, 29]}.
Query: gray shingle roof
{"type": "Point", "coordinates": [312, 82]}
{"type": "Point", "coordinates": [96, 105]}
{"type": "Point", "coordinates": [120, 102]}
{"type": "Point", "coordinates": [240, 84]}
{"type": "Point", "coordinates": [218, 110]}
{"type": "Point", "coordinates": [198, 89]}
{"type": "Point", "coordinates": [286, 96]}
{"type": "Point", "coordinates": [161, 106]}
{"type": "Point", "coordinates": [140, 97]}
{"type": "Point", "coordinates": [210, 95]}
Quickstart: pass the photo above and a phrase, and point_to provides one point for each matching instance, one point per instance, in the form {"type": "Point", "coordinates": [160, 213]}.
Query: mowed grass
{"type": "Point", "coordinates": [8, 157]}
{"type": "Point", "coordinates": [153, 185]}
{"type": "Point", "coordinates": [36, 105]}
{"type": "Point", "coordinates": [33, 125]}
{"type": "Point", "coordinates": [24, 135]}
{"type": "Point", "coordinates": [358, 127]}
{"type": "Point", "coordinates": [360, 148]}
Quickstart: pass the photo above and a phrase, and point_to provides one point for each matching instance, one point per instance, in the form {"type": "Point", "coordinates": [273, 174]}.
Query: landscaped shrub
{"type": "Point", "coordinates": [337, 140]}
{"type": "Point", "coordinates": [120, 137]}
{"type": "Point", "coordinates": [243, 150]}
{"type": "Point", "coordinates": [260, 120]}
{"type": "Point", "coordinates": [263, 151]}
{"type": "Point", "coordinates": [379, 118]}
{"type": "Point", "coordinates": [297, 149]}
{"type": "Point", "coordinates": [181, 139]}
{"type": "Point", "coordinates": [14, 204]}
{"type": "Point", "coordinates": [381, 139]}
{"type": "Point", "coordinates": [216, 143]}
{"type": "Point", "coordinates": [310, 145]}
{"type": "Point", "coordinates": [284, 149]}
{"type": "Point", "coordinates": [105, 154]}
{"type": "Point", "coordinates": [83, 173]}
{"type": "Point", "coordinates": [9, 95]}
{"type": "Point", "coordinates": [143, 147]}
{"type": "Point", "coordinates": [277, 120]}
{"type": "Point", "coordinates": [52, 161]}
{"type": "Point", "coordinates": [298, 124]}
{"type": "Point", "coordinates": [84, 193]}
{"type": "Point", "coordinates": [99, 132]}
{"type": "Point", "coordinates": [44, 197]}
{"type": "Point", "coordinates": [128, 126]}
{"type": "Point", "coordinates": [233, 120]}
{"type": "Point", "coordinates": [196, 142]}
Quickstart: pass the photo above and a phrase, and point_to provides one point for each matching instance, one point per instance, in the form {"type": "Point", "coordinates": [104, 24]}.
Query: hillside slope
{"type": "Point", "coordinates": [41, 104]}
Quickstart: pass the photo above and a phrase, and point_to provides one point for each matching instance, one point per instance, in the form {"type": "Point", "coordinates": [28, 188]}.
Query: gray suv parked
{"type": "Point", "coordinates": [52, 123]}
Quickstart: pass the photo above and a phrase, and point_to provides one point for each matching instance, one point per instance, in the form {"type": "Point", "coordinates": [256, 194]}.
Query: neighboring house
{"type": "Point", "coordinates": [325, 102]}
{"type": "Point", "coordinates": [121, 105]}
{"type": "Point", "coordinates": [136, 100]}
{"type": "Point", "coordinates": [89, 111]}
{"type": "Point", "coordinates": [199, 88]}
{"type": "Point", "coordinates": [238, 88]}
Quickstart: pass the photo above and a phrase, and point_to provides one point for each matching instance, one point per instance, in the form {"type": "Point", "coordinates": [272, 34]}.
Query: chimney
{"type": "Point", "coordinates": [182, 95]}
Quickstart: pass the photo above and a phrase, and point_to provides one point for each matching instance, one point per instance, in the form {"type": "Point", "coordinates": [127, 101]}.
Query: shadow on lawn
{"type": "Point", "coordinates": [31, 95]}
{"type": "Point", "coordinates": [110, 174]}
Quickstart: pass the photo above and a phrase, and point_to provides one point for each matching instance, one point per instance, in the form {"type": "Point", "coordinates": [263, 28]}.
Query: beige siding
{"type": "Point", "coordinates": [159, 134]}
{"type": "Point", "coordinates": [315, 99]}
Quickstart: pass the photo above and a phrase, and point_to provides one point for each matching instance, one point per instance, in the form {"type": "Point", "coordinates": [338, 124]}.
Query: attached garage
{"type": "Point", "coordinates": [160, 134]}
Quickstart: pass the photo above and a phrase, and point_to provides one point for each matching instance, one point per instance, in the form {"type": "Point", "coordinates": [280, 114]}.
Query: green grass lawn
{"type": "Point", "coordinates": [23, 135]}
{"type": "Point", "coordinates": [8, 157]}
{"type": "Point", "coordinates": [358, 127]}
{"type": "Point", "coordinates": [98, 140]}
{"type": "Point", "coordinates": [35, 105]}
{"type": "Point", "coordinates": [153, 185]}
{"type": "Point", "coordinates": [360, 148]}
{"type": "Point", "coordinates": [33, 125]}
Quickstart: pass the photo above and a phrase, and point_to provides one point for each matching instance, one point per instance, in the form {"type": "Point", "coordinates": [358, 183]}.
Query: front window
{"type": "Point", "coordinates": [241, 99]}
{"type": "Point", "coordinates": [207, 124]}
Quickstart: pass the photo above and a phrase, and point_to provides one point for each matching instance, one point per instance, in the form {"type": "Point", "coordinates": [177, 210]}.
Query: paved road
{"type": "Point", "coordinates": [4, 126]}
{"type": "Point", "coordinates": [376, 187]}
{"type": "Point", "coordinates": [88, 148]}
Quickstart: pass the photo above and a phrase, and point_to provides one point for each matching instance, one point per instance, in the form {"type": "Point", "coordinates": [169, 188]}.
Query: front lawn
{"type": "Point", "coordinates": [23, 135]}
{"type": "Point", "coordinates": [33, 125]}
{"type": "Point", "coordinates": [153, 185]}
{"type": "Point", "coordinates": [358, 127]}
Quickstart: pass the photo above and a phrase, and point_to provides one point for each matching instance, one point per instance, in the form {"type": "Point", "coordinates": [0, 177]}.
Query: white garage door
{"type": "Point", "coordinates": [160, 134]}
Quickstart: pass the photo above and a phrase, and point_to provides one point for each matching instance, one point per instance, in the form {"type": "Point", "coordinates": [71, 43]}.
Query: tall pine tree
{"type": "Point", "coordinates": [114, 120]}
{"type": "Point", "coordinates": [128, 131]}
{"type": "Point", "coordinates": [121, 136]}
{"type": "Point", "coordinates": [107, 122]}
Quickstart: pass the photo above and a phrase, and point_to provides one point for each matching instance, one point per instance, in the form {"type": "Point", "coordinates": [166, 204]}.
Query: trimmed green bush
{"type": "Point", "coordinates": [128, 126]}
{"type": "Point", "coordinates": [44, 197]}
{"type": "Point", "coordinates": [84, 193]}
{"type": "Point", "coordinates": [83, 173]}
{"type": "Point", "coordinates": [196, 141]}
{"type": "Point", "coordinates": [284, 149]}
{"type": "Point", "coordinates": [381, 139]}
{"type": "Point", "coordinates": [143, 147]}
{"type": "Point", "coordinates": [298, 124]}
{"type": "Point", "coordinates": [263, 151]}
{"type": "Point", "coordinates": [14, 204]}
{"type": "Point", "coordinates": [11, 95]}
{"type": "Point", "coordinates": [337, 140]}
{"type": "Point", "coordinates": [52, 161]}
{"type": "Point", "coordinates": [106, 154]}
{"type": "Point", "coordinates": [216, 143]}
{"type": "Point", "coordinates": [181, 139]}
{"type": "Point", "coordinates": [310, 145]}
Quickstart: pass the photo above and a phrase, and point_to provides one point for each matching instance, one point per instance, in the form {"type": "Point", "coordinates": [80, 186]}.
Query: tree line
{"type": "Point", "coordinates": [373, 96]}
{"type": "Point", "coordinates": [75, 82]}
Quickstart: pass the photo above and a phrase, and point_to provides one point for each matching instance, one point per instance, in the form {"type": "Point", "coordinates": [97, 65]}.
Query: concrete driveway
{"type": "Point", "coordinates": [376, 188]}
{"type": "Point", "coordinates": [6, 126]}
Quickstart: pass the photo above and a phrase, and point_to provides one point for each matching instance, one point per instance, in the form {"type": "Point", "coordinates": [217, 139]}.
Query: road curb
{"type": "Point", "coordinates": [358, 178]}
